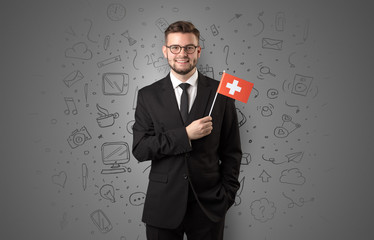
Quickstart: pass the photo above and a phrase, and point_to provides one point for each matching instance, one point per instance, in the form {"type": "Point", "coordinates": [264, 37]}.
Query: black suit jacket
{"type": "Point", "coordinates": [211, 164]}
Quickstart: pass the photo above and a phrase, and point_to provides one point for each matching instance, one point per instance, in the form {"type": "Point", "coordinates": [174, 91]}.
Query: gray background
{"type": "Point", "coordinates": [310, 179]}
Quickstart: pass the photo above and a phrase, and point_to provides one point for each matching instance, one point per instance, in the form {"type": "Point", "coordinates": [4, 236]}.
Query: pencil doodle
{"type": "Point", "coordinates": [84, 176]}
{"type": "Point", "coordinates": [109, 61]}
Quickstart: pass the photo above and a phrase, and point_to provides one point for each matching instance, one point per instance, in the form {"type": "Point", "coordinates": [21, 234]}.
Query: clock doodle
{"type": "Point", "coordinates": [116, 12]}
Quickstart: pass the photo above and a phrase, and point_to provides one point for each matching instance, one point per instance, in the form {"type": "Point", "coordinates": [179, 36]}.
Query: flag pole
{"type": "Point", "coordinates": [214, 100]}
{"type": "Point", "coordinates": [211, 108]}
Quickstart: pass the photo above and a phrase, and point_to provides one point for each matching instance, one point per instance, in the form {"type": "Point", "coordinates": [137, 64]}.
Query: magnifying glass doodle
{"type": "Point", "coordinates": [266, 70]}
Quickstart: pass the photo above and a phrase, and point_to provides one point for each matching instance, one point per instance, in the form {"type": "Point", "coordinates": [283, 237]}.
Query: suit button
{"type": "Point", "coordinates": [185, 176]}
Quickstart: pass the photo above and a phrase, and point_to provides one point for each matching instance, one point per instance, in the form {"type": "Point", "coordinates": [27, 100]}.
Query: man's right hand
{"type": "Point", "coordinates": [200, 128]}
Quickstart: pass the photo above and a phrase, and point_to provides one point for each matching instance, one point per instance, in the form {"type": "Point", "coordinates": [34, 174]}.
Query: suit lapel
{"type": "Point", "coordinates": [169, 100]}
{"type": "Point", "coordinates": [201, 104]}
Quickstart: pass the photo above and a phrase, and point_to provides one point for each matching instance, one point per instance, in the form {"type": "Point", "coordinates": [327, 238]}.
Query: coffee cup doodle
{"type": "Point", "coordinates": [105, 119]}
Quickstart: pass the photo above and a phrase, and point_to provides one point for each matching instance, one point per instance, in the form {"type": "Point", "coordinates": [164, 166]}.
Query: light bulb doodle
{"type": "Point", "coordinates": [107, 192]}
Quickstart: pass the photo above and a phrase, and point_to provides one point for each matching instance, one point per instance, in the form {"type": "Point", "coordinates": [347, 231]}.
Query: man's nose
{"type": "Point", "coordinates": [184, 51]}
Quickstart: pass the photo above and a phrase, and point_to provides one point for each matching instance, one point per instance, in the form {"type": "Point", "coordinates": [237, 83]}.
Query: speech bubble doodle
{"type": "Point", "coordinates": [137, 198]}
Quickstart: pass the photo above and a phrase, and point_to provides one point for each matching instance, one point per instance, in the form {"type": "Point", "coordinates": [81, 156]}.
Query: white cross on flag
{"type": "Point", "coordinates": [235, 87]}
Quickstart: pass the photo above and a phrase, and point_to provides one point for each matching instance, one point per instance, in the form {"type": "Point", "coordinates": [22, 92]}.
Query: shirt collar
{"type": "Point", "coordinates": [192, 80]}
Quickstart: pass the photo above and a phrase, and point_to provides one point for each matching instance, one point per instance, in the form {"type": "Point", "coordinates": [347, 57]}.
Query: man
{"type": "Point", "coordinates": [195, 158]}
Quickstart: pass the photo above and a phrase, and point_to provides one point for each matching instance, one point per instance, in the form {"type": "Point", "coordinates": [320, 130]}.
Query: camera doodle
{"type": "Point", "coordinates": [78, 137]}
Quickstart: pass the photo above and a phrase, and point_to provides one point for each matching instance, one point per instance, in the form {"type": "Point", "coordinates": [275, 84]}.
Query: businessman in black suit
{"type": "Point", "coordinates": [195, 157]}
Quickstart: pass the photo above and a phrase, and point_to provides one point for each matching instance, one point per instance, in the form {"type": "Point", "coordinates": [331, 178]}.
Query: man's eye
{"type": "Point", "coordinates": [174, 47]}
{"type": "Point", "coordinates": [190, 47]}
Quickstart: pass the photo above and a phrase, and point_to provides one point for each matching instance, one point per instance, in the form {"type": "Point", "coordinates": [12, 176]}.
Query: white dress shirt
{"type": "Point", "coordinates": [192, 90]}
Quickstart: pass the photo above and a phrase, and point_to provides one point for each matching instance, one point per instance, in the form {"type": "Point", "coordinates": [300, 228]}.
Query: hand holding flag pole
{"type": "Point", "coordinates": [233, 87]}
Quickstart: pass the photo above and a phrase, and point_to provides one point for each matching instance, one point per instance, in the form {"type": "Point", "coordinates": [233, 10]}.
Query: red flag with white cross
{"type": "Point", "coordinates": [235, 87]}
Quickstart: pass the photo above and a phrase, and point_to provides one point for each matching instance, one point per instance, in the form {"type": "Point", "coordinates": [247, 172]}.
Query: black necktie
{"type": "Point", "coordinates": [184, 101]}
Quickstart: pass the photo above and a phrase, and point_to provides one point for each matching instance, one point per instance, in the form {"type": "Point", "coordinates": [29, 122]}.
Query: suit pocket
{"type": "Point", "coordinates": [158, 177]}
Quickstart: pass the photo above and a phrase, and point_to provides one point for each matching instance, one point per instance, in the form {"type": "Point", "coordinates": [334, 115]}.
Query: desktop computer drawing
{"type": "Point", "coordinates": [114, 154]}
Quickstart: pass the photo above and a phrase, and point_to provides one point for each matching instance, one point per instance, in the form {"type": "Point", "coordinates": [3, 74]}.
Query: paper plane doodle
{"type": "Point", "coordinates": [295, 157]}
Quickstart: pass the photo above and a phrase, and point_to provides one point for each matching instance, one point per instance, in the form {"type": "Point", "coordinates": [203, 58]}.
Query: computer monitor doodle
{"type": "Point", "coordinates": [114, 154]}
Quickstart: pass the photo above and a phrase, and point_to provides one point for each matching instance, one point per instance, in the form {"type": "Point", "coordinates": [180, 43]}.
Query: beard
{"type": "Point", "coordinates": [183, 71]}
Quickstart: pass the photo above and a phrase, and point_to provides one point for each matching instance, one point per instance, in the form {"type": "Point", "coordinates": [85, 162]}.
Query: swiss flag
{"type": "Point", "coordinates": [235, 87]}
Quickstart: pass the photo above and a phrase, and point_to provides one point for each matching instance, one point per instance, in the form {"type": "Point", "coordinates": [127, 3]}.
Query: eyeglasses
{"type": "Point", "coordinates": [175, 49]}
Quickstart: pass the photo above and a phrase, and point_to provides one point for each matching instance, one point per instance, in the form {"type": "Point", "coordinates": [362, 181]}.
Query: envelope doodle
{"type": "Point", "coordinates": [275, 44]}
{"type": "Point", "coordinates": [72, 78]}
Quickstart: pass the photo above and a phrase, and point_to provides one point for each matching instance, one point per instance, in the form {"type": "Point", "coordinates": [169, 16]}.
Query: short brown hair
{"type": "Point", "coordinates": [182, 27]}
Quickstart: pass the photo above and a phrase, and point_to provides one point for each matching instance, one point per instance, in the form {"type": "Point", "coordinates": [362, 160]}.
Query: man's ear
{"type": "Point", "coordinates": [164, 51]}
{"type": "Point", "coordinates": [198, 51]}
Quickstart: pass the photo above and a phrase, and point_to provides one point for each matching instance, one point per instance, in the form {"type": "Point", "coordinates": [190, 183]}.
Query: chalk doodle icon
{"type": "Point", "coordinates": [137, 198]}
{"type": "Point", "coordinates": [105, 119]}
{"type": "Point", "coordinates": [72, 78]}
{"type": "Point", "coordinates": [301, 85]}
{"type": "Point", "coordinates": [288, 126]}
{"type": "Point", "coordinates": [79, 51]}
{"type": "Point", "coordinates": [114, 154]}
{"type": "Point", "coordinates": [101, 221]}
{"type": "Point", "coordinates": [263, 210]}
{"type": "Point", "coordinates": [78, 137]}
{"type": "Point", "coordinates": [115, 83]}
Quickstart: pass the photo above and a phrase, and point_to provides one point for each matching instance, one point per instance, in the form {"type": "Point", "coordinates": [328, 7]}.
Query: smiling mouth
{"type": "Point", "coordinates": [182, 60]}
